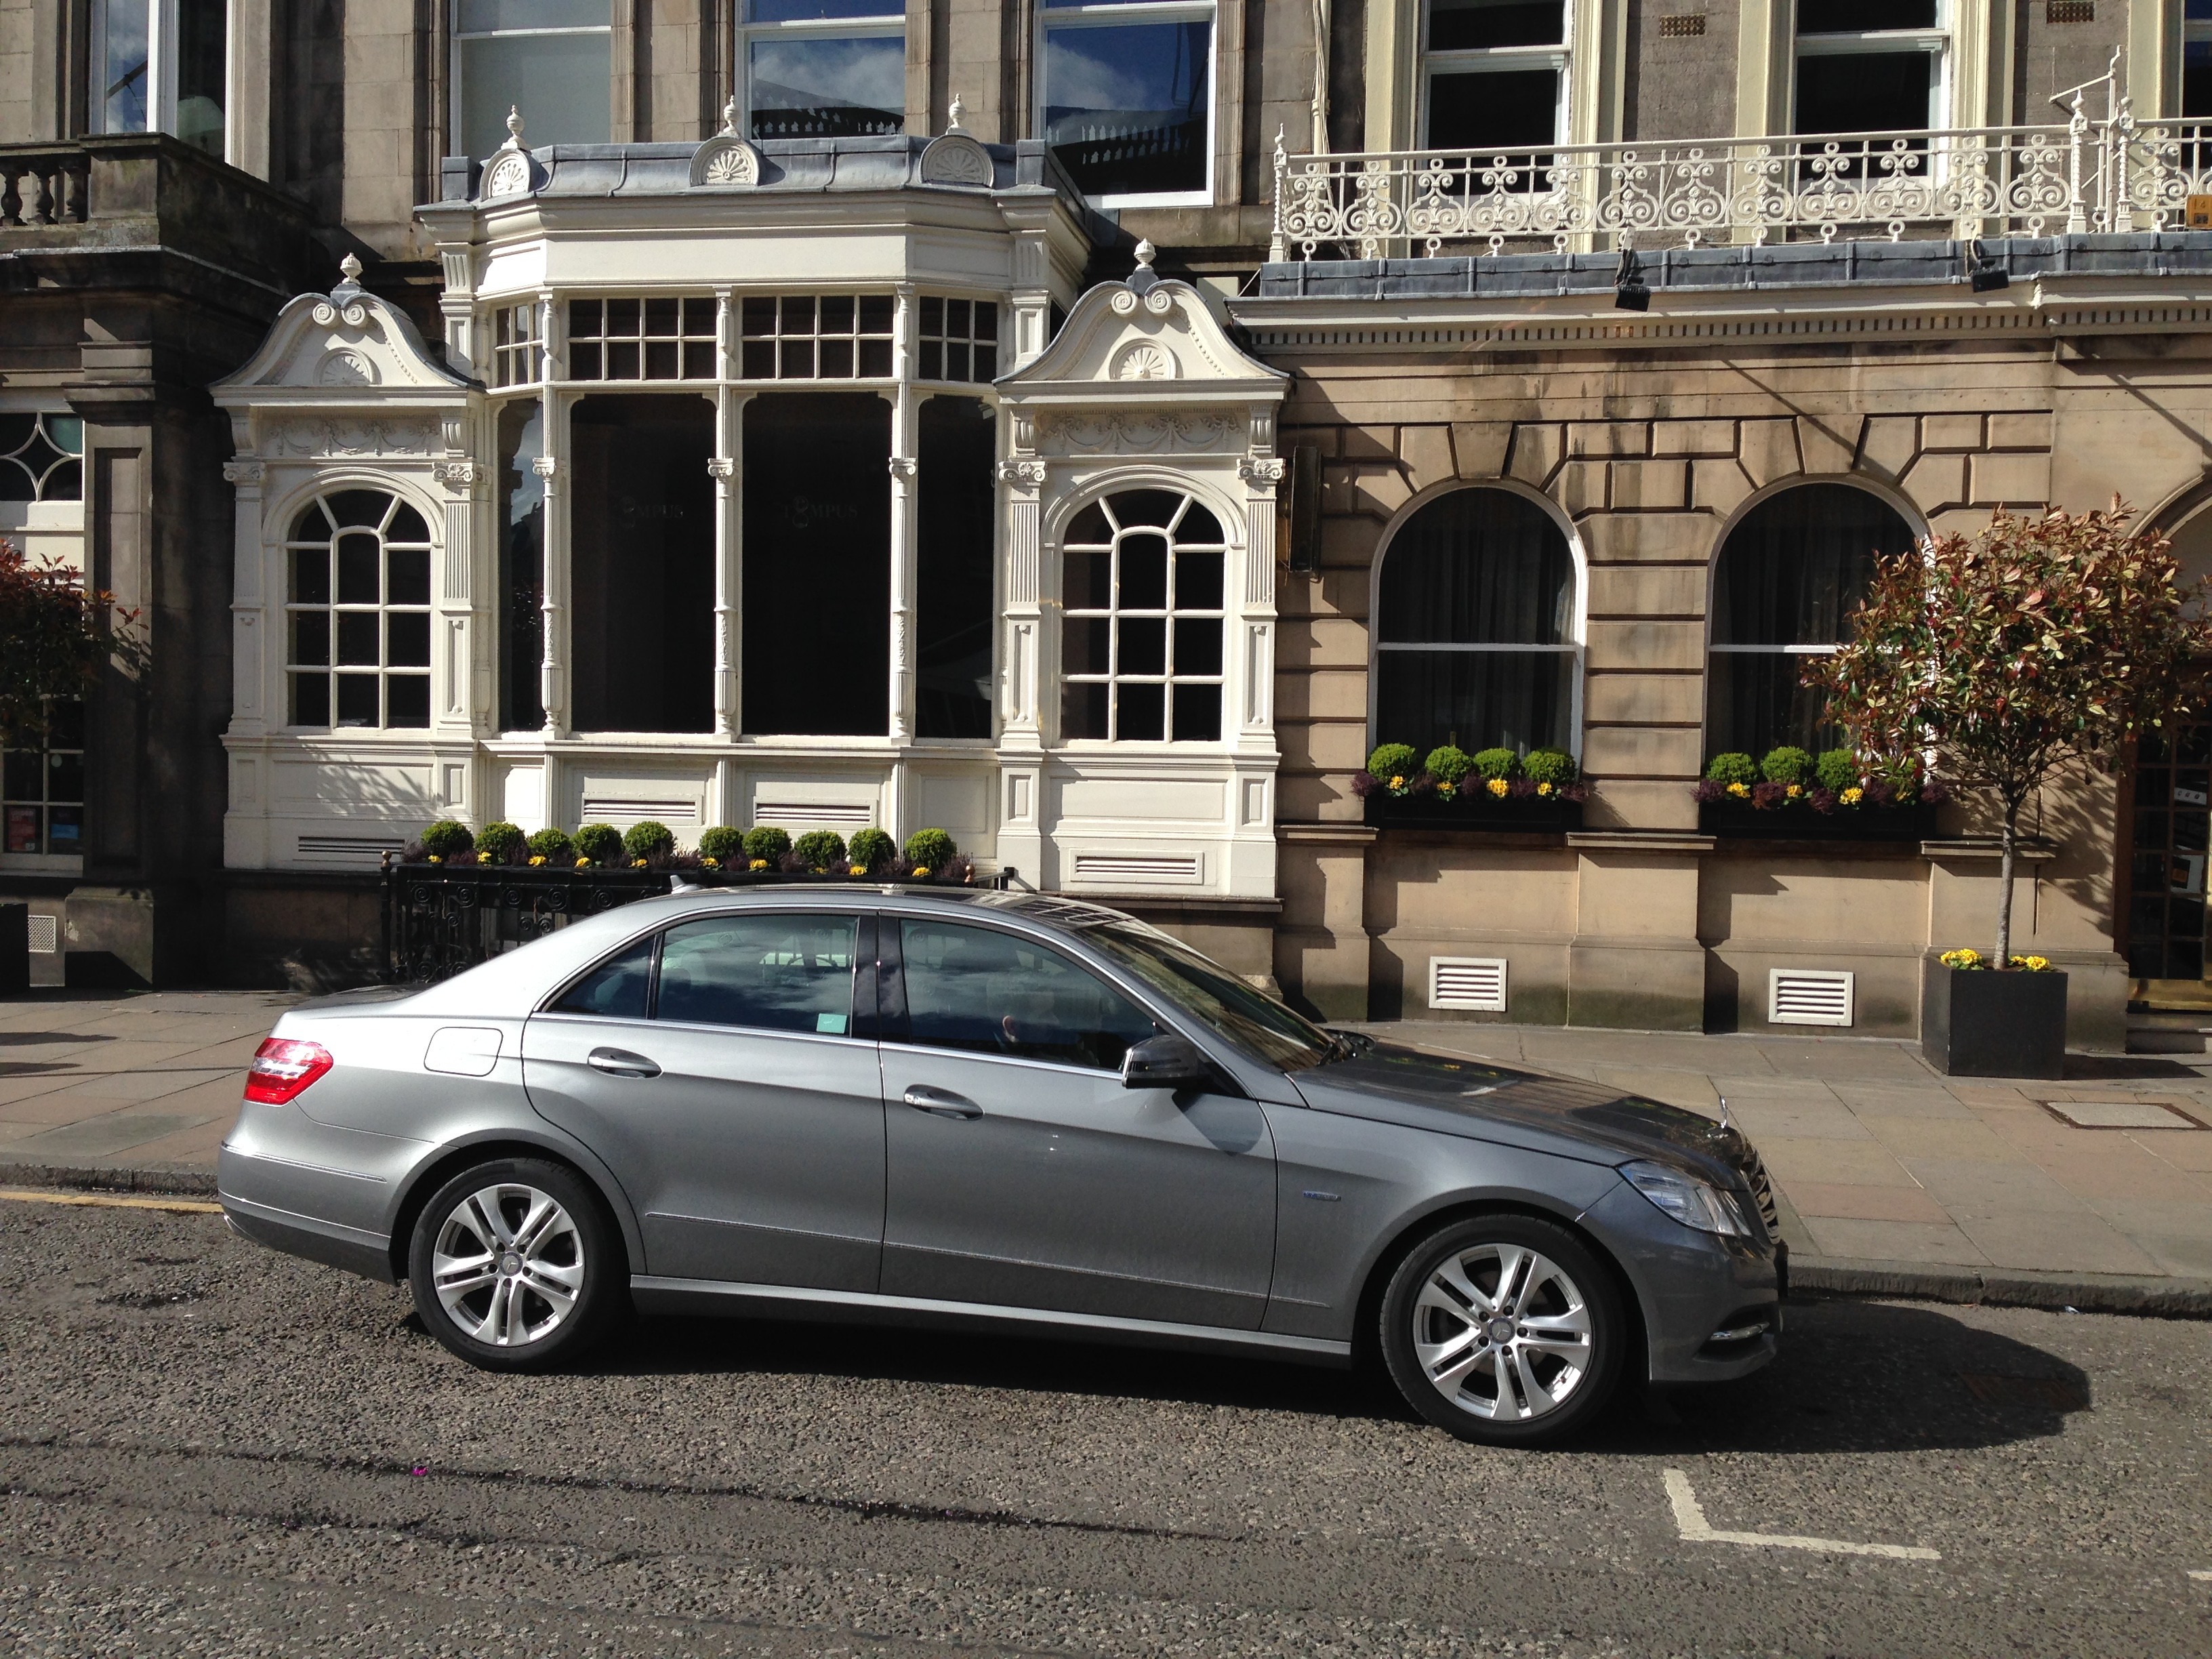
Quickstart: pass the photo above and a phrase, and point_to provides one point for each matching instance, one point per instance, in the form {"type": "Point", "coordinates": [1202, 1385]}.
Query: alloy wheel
{"type": "Point", "coordinates": [508, 1265]}
{"type": "Point", "coordinates": [1502, 1332]}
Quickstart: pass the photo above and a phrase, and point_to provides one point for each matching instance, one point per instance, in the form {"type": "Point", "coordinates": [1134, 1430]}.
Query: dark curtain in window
{"type": "Point", "coordinates": [642, 563]}
{"type": "Point", "coordinates": [1478, 567]}
{"type": "Point", "coordinates": [521, 567]}
{"type": "Point", "coordinates": [817, 522]}
{"type": "Point", "coordinates": [952, 643]}
{"type": "Point", "coordinates": [1790, 574]}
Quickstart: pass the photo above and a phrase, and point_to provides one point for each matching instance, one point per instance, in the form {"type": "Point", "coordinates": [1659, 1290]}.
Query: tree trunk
{"type": "Point", "coordinates": [2008, 836]}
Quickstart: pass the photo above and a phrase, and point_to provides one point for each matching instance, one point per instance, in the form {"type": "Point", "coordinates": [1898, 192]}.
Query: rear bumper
{"type": "Point", "coordinates": [326, 1242]}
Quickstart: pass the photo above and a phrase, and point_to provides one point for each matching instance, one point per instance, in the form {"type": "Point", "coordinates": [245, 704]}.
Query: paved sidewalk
{"type": "Point", "coordinates": [1878, 1160]}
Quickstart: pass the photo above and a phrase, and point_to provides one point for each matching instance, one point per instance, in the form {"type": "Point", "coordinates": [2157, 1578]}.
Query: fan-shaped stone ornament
{"type": "Point", "coordinates": [725, 162]}
{"type": "Point", "coordinates": [1144, 360]}
{"type": "Point", "coordinates": [956, 158]}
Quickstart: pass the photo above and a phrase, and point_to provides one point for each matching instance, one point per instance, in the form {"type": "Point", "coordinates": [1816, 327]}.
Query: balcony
{"type": "Point", "coordinates": [2079, 176]}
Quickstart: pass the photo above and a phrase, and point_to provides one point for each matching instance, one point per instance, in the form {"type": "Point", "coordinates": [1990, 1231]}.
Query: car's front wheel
{"type": "Point", "coordinates": [1504, 1329]}
{"type": "Point", "coordinates": [514, 1265]}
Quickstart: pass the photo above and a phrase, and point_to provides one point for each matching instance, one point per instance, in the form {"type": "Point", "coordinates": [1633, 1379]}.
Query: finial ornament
{"type": "Point", "coordinates": [514, 126]}
{"type": "Point", "coordinates": [1146, 252]}
{"type": "Point", "coordinates": [1281, 154]}
{"type": "Point", "coordinates": [350, 268]}
{"type": "Point", "coordinates": [954, 114]}
{"type": "Point", "coordinates": [729, 115]}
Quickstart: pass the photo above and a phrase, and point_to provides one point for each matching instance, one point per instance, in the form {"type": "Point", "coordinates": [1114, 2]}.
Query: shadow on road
{"type": "Point", "coordinates": [1852, 1377]}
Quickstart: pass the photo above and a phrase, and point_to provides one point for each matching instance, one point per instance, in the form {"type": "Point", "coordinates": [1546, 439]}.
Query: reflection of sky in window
{"type": "Point", "coordinates": [812, 11]}
{"type": "Point", "coordinates": [867, 75]}
{"type": "Point", "coordinates": [124, 75]}
{"type": "Point", "coordinates": [477, 15]}
{"type": "Point", "coordinates": [529, 488]}
{"type": "Point", "coordinates": [1141, 69]}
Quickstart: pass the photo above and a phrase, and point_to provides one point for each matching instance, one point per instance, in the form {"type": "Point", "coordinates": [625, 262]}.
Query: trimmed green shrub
{"type": "Point", "coordinates": [928, 849]}
{"type": "Point", "coordinates": [1732, 768]}
{"type": "Point", "coordinates": [1448, 764]}
{"type": "Point", "coordinates": [602, 843]}
{"type": "Point", "coordinates": [1392, 760]}
{"type": "Point", "coordinates": [1787, 764]}
{"type": "Point", "coordinates": [1492, 764]}
{"type": "Point", "coordinates": [818, 849]}
{"type": "Point", "coordinates": [1553, 766]}
{"type": "Point", "coordinates": [722, 844]}
{"type": "Point", "coordinates": [765, 841]}
{"type": "Point", "coordinates": [870, 850]}
{"type": "Point", "coordinates": [553, 845]}
{"type": "Point", "coordinates": [1838, 770]}
{"type": "Point", "coordinates": [649, 840]}
{"type": "Point", "coordinates": [500, 843]}
{"type": "Point", "coordinates": [447, 838]}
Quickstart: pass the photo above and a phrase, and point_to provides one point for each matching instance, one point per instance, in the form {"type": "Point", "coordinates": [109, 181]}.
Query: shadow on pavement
{"type": "Point", "coordinates": [1852, 1376]}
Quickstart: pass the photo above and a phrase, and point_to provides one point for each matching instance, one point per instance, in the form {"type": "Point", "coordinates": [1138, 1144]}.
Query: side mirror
{"type": "Point", "coordinates": [1167, 1061]}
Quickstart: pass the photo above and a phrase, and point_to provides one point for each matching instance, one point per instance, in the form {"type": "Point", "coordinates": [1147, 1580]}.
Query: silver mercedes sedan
{"type": "Point", "coordinates": [993, 1111]}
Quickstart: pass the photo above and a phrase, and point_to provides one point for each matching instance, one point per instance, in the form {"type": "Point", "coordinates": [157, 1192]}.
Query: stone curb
{"type": "Point", "coordinates": [171, 1181]}
{"type": "Point", "coordinates": [1996, 1287]}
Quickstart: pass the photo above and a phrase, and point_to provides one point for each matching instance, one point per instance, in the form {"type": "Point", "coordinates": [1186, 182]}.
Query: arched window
{"type": "Point", "coordinates": [1474, 622]}
{"type": "Point", "coordinates": [357, 612]}
{"type": "Point", "coordinates": [1141, 604]}
{"type": "Point", "coordinates": [1789, 577]}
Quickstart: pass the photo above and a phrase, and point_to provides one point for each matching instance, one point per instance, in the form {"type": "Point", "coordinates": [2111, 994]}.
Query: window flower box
{"type": "Point", "coordinates": [1734, 821]}
{"type": "Point", "coordinates": [1495, 790]}
{"type": "Point", "coordinates": [1386, 811]}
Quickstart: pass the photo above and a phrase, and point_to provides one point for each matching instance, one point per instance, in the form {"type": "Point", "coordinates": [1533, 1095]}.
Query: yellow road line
{"type": "Point", "coordinates": [177, 1205]}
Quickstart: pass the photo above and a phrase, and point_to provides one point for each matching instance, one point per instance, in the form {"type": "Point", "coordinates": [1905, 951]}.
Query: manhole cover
{"type": "Point", "coordinates": [2120, 1114]}
{"type": "Point", "coordinates": [2053, 1393]}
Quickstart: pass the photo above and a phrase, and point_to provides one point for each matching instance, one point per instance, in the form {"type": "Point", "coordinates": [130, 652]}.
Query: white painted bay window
{"type": "Point", "coordinates": [357, 612]}
{"type": "Point", "coordinates": [162, 66]}
{"type": "Point", "coordinates": [823, 69]}
{"type": "Point", "coordinates": [552, 59]}
{"type": "Point", "coordinates": [1871, 65]}
{"type": "Point", "coordinates": [1494, 76]}
{"type": "Point", "coordinates": [1126, 98]}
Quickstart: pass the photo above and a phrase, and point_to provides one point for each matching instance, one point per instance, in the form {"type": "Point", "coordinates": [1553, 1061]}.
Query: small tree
{"type": "Point", "coordinates": [55, 637]}
{"type": "Point", "coordinates": [2037, 647]}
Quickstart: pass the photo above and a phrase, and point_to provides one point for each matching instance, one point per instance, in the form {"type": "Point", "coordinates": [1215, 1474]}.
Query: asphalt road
{"type": "Point", "coordinates": [206, 1449]}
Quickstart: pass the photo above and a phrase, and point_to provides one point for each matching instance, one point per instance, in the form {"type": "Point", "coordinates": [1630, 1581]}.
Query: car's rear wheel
{"type": "Point", "coordinates": [514, 1266]}
{"type": "Point", "coordinates": [1504, 1329]}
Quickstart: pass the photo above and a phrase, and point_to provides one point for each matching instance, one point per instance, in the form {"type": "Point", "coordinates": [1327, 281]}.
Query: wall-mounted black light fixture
{"type": "Point", "coordinates": [1629, 291]}
{"type": "Point", "coordinates": [1985, 274]}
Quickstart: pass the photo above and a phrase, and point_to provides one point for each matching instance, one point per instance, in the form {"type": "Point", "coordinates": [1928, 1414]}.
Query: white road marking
{"type": "Point", "coordinates": [2206, 1576]}
{"type": "Point", "coordinates": [1690, 1520]}
{"type": "Point", "coordinates": [175, 1206]}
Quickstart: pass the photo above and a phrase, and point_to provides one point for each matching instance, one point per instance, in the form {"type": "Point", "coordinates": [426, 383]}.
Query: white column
{"type": "Point", "coordinates": [454, 664]}
{"type": "Point", "coordinates": [553, 437]}
{"type": "Point", "coordinates": [1257, 620]}
{"type": "Point", "coordinates": [904, 548]}
{"type": "Point", "coordinates": [726, 468]}
{"type": "Point", "coordinates": [250, 622]}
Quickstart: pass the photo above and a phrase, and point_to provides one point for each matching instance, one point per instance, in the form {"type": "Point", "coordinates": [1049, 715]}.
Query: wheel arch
{"type": "Point", "coordinates": [450, 1160]}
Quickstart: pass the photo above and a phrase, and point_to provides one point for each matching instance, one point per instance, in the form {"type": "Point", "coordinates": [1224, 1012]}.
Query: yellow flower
{"type": "Point", "coordinates": [1397, 783]}
{"type": "Point", "coordinates": [758, 864]}
{"type": "Point", "coordinates": [1960, 958]}
{"type": "Point", "coordinates": [858, 871]}
{"type": "Point", "coordinates": [583, 864]}
{"type": "Point", "coordinates": [1795, 790]}
{"type": "Point", "coordinates": [1740, 791]}
{"type": "Point", "coordinates": [1445, 790]}
{"type": "Point", "coordinates": [1543, 789]}
{"type": "Point", "coordinates": [537, 859]}
{"type": "Point", "coordinates": [1499, 788]}
{"type": "Point", "coordinates": [435, 859]}
{"type": "Point", "coordinates": [2033, 964]}
{"type": "Point", "coordinates": [1852, 796]}
{"type": "Point", "coordinates": [921, 869]}
{"type": "Point", "coordinates": [710, 864]}
{"type": "Point", "coordinates": [637, 864]}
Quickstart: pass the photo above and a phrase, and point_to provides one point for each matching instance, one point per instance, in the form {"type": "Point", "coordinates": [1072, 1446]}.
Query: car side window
{"type": "Point", "coordinates": [618, 988]}
{"type": "Point", "coordinates": [998, 994]}
{"type": "Point", "coordinates": [771, 971]}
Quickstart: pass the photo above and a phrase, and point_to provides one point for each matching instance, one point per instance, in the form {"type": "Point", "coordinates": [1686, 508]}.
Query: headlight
{"type": "Point", "coordinates": [1688, 1199]}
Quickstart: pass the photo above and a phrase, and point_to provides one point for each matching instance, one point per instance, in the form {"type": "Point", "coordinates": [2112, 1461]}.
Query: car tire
{"type": "Point", "coordinates": [515, 1265]}
{"type": "Point", "coordinates": [1553, 1343]}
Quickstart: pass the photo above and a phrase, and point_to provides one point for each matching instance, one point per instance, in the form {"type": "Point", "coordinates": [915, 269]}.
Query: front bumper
{"type": "Point", "coordinates": [1690, 1285]}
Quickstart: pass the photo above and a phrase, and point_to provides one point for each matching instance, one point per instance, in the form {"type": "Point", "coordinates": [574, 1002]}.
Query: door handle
{"type": "Point", "coordinates": [620, 1062]}
{"type": "Point", "coordinates": [942, 1103]}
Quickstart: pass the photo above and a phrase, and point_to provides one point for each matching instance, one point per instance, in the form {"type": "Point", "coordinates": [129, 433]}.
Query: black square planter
{"type": "Point", "coordinates": [1977, 1022]}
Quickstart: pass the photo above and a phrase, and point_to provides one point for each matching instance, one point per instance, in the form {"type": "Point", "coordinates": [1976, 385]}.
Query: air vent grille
{"type": "Point", "coordinates": [349, 849]}
{"type": "Point", "coordinates": [621, 813]}
{"type": "Point", "coordinates": [1150, 869]}
{"type": "Point", "coordinates": [814, 815]}
{"type": "Point", "coordinates": [1681, 26]}
{"type": "Point", "coordinates": [1474, 983]}
{"type": "Point", "coordinates": [46, 936]}
{"type": "Point", "coordinates": [1808, 996]}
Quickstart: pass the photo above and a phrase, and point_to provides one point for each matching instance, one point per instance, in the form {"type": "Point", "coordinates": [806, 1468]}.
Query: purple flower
{"type": "Point", "coordinates": [1365, 783]}
{"type": "Point", "coordinates": [1769, 797]}
{"type": "Point", "coordinates": [1820, 799]}
{"type": "Point", "coordinates": [1709, 790]}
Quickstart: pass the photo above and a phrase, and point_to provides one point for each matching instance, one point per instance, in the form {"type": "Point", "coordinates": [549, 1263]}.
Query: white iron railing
{"type": "Point", "coordinates": [2084, 176]}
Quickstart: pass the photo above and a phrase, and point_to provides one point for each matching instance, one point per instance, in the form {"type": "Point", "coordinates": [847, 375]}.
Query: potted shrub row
{"type": "Point", "coordinates": [1790, 794]}
{"type": "Point", "coordinates": [1492, 788]}
{"type": "Point", "coordinates": [724, 855]}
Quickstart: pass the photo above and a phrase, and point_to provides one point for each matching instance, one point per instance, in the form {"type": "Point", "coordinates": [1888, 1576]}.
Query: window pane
{"type": "Point", "coordinates": [366, 507]}
{"type": "Point", "coordinates": [1134, 508]}
{"type": "Point", "coordinates": [407, 642]}
{"type": "Point", "coordinates": [122, 93]}
{"type": "Point", "coordinates": [1198, 580]}
{"type": "Point", "coordinates": [1126, 106]}
{"type": "Point", "coordinates": [616, 990]}
{"type": "Point", "coordinates": [357, 638]}
{"type": "Point", "coordinates": [406, 526]}
{"type": "Point", "coordinates": [311, 700]}
{"type": "Point", "coordinates": [1478, 567]}
{"type": "Point", "coordinates": [1139, 713]}
{"type": "Point", "coordinates": [1844, 16]}
{"type": "Point", "coordinates": [1793, 571]}
{"type": "Point", "coordinates": [311, 639]}
{"type": "Point", "coordinates": [1086, 644]}
{"type": "Point", "coordinates": [357, 699]}
{"type": "Point", "coordinates": [807, 11]}
{"type": "Point", "coordinates": [1865, 92]}
{"type": "Point", "coordinates": [1090, 527]}
{"type": "Point", "coordinates": [1753, 703]}
{"type": "Point", "coordinates": [407, 577]}
{"type": "Point", "coordinates": [310, 575]}
{"type": "Point", "coordinates": [202, 72]}
{"type": "Point", "coordinates": [1459, 25]}
{"type": "Point", "coordinates": [954, 613]}
{"type": "Point", "coordinates": [562, 83]}
{"type": "Point", "coordinates": [1144, 646]}
{"type": "Point", "coordinates": [1082, 709]}
{"type": "Point", "coordinates": [1198, 646]}
{"type": "Point", "coordinates": [477, 15]}
{"type": "Point", "coordinates": [521, 620]}
{"type": "Point", "coordinates": [1143, 573]}
{"type": "Point", "coordinates": [1197, 714]}
{"type": "Point", "coordinates": [837, 89]}
{"type": "Point", "coordinates": [407, 701]}
{"type": "Point", "coordinates": [774, 973]}
{"type": "Point", "coordinates": [65, 830]}
{"type": "Point", "coordinates": [1518, 700]}
{"type": "Point", "coordinates": [1501, 110]}
{"type": "Point", "coordinates": [1089, 582]}
{"type": "Point", "coordinates": [990, 992]}
{"type": "Point", "coordinates": [359, 580]}
{"type": "Point", "coordinates": [1197, 528]}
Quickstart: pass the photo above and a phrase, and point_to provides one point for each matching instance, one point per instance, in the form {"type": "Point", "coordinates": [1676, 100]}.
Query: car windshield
{"type": "Point", "coordinates": [1254, 1022]}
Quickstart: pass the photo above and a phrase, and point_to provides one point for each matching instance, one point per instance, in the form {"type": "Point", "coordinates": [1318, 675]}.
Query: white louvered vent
{"type": "Point", "coordinates": [1152, 869]}
{"type": "Point", "coordinates": [622, 813]}
{"type": "Point", "coordinates": [44, 936]}
{"type": "Point", "coordinates": [349, 849]}
{"type": "Point", "coordinates": [1808, 996]}
{"type": "Point", "coordinates": [1475, 983]}
{"type": "Point", "coordinates": [814, 815]}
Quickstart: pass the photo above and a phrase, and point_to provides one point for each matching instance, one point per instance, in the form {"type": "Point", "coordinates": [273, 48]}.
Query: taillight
{"type": "Point", "coordinates": [283, 1069]}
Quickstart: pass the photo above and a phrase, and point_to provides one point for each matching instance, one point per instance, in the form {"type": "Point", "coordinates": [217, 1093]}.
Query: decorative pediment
{"type": "Point", "coordinates": [513, 170]}
{"type": "Point", "coordinates": [1140, 335]}
{"type": "Point", "coordinates": [956, 158]}
{"type": "Point", "coordinates": [347, 340]}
